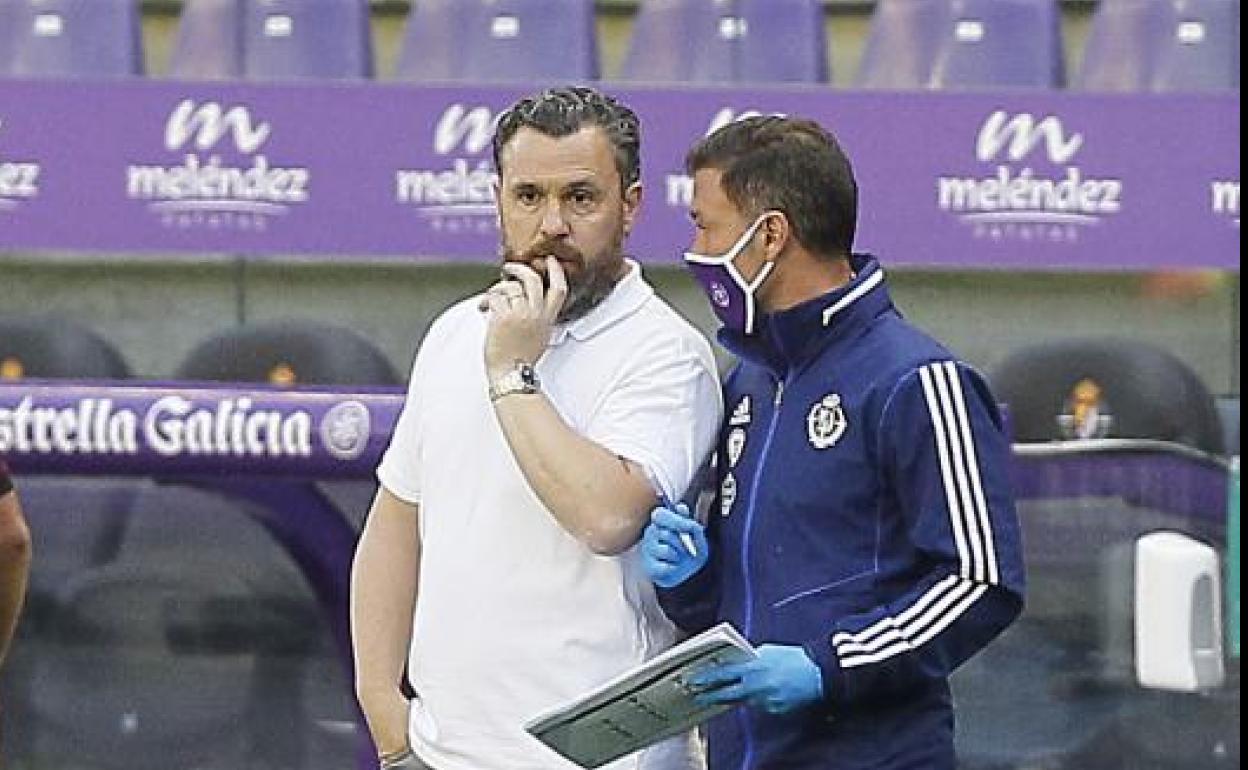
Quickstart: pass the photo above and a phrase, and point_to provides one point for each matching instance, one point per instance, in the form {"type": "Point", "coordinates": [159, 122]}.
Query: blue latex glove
{"type": "Point", "coordinates": [780, 680]}
{"type": "Point", "coordinates": [673, 547]}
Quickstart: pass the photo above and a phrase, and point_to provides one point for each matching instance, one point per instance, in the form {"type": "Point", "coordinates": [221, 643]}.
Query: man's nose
{"type": "Point", "coordinates": [554, 224]}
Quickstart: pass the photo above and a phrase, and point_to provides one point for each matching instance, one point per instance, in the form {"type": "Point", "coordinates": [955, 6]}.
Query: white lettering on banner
{"type": "Point", "coordinates": [1024, 192]}
{"type": "Point", "coordinates": [19, 181]}
{"type": "Point", "coordinates": [196, 180]}
{"type": "Point", "coordinates": [460, 187]}
{"type": "Point", "coordinates": [473, 129]}
{"type": "Point", "coordinates": [728, 115]}
{"type": "Point", "coordinates": [209, 124]}
{"type": "Point", "coordinates": [91, 427]}
{"type": "Point", "coordinates": [1015, 201]}
{"type": "Point", "coordinates": [1021, 134]}
{"type": "Point", "coordinates": [459, 198]}
{"type": "Point", "coordinates": [678, 187]}
{"type": "Point", "coordinates": [174, 426]}
{"type": "Point", "coordinates": [204, 191]}
{"type": "Point", "coordinates": [679, 190]}
{"type": "Point", "coordinates": [1224, 198]}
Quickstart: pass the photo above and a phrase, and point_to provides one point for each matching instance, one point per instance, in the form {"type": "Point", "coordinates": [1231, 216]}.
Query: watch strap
{"type": "Point", "coordinates": [522, 379]}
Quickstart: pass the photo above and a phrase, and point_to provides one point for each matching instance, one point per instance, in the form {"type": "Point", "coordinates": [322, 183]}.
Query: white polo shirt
{"type": "Point", "coordinates": [514, 615]}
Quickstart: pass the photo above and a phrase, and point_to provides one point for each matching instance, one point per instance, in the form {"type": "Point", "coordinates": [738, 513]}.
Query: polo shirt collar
{"type": "Point", "coordinates": [626, 298]}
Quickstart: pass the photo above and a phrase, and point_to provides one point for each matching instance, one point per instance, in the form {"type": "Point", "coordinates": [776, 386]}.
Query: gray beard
{"type": "Point", "coordinates": [584, 297]}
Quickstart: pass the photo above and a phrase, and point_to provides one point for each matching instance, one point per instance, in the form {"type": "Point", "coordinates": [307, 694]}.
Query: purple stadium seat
{"type": "Point", "coordinates": [1204, 52]}
{"type": "Point", "coordinates": [1162, 45]}
{"type": "Point", "coordinates": [210, 40]}
{"type": "Point", "coordinates": [536, 40]}
{"type": "Point", "coordinates": [57, 38]}
{"type": "Point", "coordinates": [1000, 43]}
{"type": "Point", "coordinates": [288, 352]}
{"type": "Point", "coordinates": [685, 41]}
{"type": "Point", "coordinates": [500, 40]}
{"type": "Point", "coordinates": [8, 34]}
{"type": "Point", "coordinates": [901, 44]}
{"type": "Point", "coordinates": [295, 39]}
{"type": "Point", "coordinates": [785, 41]}
{"type": "Point", "coordinates": [432, 47]}
{"type": "Point", "coordinates": [963, 44]}
{"type": "Point", "coordinates": [1153, 393]}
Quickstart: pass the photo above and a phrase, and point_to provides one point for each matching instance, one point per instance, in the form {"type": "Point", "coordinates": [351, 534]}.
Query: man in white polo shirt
{"type": "Point", "coordinates": [543, 419]}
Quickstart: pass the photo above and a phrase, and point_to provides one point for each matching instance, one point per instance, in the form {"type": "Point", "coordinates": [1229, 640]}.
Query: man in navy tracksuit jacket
{"type": "Point", "coordinates": [863, 530]}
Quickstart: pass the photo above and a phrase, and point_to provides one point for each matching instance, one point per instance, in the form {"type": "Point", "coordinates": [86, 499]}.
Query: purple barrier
{"type": "Point", "coordinates": [252, 433]}
{"type": "Point", "coordinates": [1159, 475]}
{"type": "Point", "coordinates": [191, 430]}
{"type": "Point", "coordinates": [1009, 180]}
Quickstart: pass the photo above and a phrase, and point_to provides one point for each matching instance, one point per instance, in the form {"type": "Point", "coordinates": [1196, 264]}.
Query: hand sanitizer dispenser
{"type": "Point", "coordinates": [1178, 613]}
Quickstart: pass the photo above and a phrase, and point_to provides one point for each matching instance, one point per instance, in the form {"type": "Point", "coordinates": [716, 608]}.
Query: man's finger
{"type": "Point", "coordinates": [667, 519]}
{"type": "Point", "coordinates": [558, 291]}
{"type": "Point", "coordinates": [509, 287]}
{"type": "Point", "coordinates": [716, 676]}
{"type": "Point", "coordinates": [733, 693]}
{"type": "Point", "coordinates": [483, 304]}
{"type": "Point", "coordinates": [674, 539]}
{"type": "Point", "coordinates": [747, 685]}
{"type": "Point", "coordinates": [531, 281]}
{"type": "Point", "coordinates": [498, 304]}
{"type": "Point", "coordinates": [665, 553]}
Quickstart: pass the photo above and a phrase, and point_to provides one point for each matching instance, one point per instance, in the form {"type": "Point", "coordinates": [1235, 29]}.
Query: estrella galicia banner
{"type": "Point", "coordinates": [181, 428]}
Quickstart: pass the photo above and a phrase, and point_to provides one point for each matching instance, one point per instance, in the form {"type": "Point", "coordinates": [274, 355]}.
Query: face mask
{"type": "Point", "coordinates": [732, 298]}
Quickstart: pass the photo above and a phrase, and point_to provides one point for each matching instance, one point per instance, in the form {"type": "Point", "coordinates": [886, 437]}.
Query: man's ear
{"type": "Point", "coordinates": [632, 205]}
{"type": "Point", "coordinates": [777, 233]}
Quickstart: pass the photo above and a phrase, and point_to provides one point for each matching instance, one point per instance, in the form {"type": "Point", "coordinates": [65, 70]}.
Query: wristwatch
{"type": "Point", "coordinates": [521, 379]}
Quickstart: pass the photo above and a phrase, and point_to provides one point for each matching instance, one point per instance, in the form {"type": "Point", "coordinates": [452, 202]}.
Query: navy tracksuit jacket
{"type": "Point", "coordinates": [864, 512]}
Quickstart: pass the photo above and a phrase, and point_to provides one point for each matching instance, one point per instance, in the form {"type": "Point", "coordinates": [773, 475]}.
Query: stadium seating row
{"type": "Point", "coordinates": [1134, 45]}
{"type": "Point", "coordinates": [283, 353]}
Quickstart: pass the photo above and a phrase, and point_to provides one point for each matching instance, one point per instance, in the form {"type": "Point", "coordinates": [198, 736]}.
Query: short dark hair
{"type": "Point", "coordinates": [791, 165]}
{"type": "Point", "coordinates": [559, 112]}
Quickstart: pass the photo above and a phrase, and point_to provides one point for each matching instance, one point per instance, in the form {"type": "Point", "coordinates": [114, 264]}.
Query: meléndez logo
{"type": "Point", "coordinates": [19, 180]}
{"type": "Point", "coordinates": [224, 180]}
{"type": "Point", "coordinates": [458, 195]}
{"type": "Point", "coordinates": [1029, 185]}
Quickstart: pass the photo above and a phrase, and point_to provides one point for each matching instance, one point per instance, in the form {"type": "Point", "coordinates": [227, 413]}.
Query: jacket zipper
{"type": "Point", "coordinates": [742, 716]}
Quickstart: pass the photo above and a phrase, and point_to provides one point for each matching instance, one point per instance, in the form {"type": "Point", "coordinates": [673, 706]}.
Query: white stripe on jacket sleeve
{"type": "Point", "coordinates": [969, 523]}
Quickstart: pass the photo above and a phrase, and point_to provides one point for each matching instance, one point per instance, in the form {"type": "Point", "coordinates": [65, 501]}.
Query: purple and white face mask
{"type": "Point", "coordinates": [731, 296]}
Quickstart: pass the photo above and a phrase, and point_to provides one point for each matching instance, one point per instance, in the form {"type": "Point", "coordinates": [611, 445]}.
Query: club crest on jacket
{"type": "Point", "coordinates": [826, 422]}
